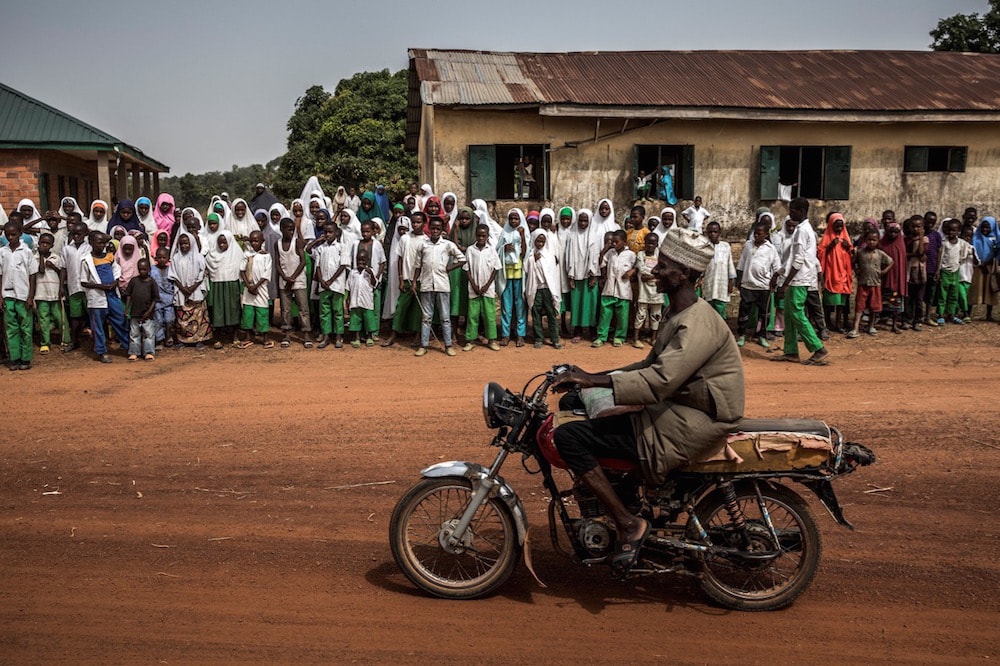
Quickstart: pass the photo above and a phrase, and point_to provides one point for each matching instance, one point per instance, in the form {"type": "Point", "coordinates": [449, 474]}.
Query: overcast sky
{"type": "Point", "coordinates": [203, 85]}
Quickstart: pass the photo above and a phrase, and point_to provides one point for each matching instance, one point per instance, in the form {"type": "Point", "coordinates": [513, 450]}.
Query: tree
{"type": "Point", "coordinates": [354, 137]}
{"type": "Point", "coordinates": [196, 190]}
{"type": "Point", "coordinates": [975, 33]}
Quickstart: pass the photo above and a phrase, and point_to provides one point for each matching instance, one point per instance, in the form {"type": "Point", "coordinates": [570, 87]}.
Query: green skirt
{"type": "Point", "coordinates": [224, 303]}
{"type": "Point", "coordinates": [459, 280]}
{"type": "Point", "coordinates": [584, 302]}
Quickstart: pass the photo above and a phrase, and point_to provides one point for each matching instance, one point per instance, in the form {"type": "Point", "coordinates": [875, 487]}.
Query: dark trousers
{"type": "Point", "coordinates": [750, 298]}
{"type": "Point", "coordinates": [815, 313]}
{"type": "Point", "coordinates": [915, 303]}
{"type": "Point", "coordinates": [930, 293]}
{"type": "Point", "coordinates": [581, 443]}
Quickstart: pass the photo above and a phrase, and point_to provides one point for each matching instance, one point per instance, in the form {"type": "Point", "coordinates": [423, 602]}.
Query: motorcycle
{"type": "Point", "coordinates": [731, 521]}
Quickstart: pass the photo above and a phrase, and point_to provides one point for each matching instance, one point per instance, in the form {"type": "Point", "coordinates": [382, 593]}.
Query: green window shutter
{"type": "Point", "coordinates": [837, 173]}
{"type": "Point", "coordinates": [483, 173]}
{"type": "Point", "coordinates": [687, 173]}
{"type": "Point", "coordinates": [770, 163]}
{"type": "Point", "coordinates": [957, 158]}
{"type": "Point", "coordinates": [915, 158]}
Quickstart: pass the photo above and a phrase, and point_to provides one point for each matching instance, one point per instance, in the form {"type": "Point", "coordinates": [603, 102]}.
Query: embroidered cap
{"type": "Point", "coordinates": [688, 248]}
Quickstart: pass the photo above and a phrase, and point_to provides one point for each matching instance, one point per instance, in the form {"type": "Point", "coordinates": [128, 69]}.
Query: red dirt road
{"type": "Point", "coordinates": [201, 514]}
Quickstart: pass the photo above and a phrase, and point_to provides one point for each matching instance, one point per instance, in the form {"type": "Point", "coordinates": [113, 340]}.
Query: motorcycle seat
{"type": "Point", "coordinates": [801, 426]}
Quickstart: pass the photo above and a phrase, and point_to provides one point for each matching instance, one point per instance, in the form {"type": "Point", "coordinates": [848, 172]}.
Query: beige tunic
{"type": "Point", "coordinates": [691, 384]}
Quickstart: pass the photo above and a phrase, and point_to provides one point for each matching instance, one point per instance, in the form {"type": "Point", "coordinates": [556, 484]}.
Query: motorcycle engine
{"type": "Point", "coordinates": [595, 537]}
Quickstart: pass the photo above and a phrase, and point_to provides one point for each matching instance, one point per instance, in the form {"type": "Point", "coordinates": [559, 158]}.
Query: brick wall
{"type": "Point", "coordinates": [19, 177]}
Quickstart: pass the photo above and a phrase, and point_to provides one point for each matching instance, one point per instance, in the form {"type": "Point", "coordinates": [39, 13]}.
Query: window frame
{"type": "Point", "coordinates": [834, 177]}
{"type": "Point", "coordinates": [684, 175]}
{"type": "Point", "coordinates": [484, 154]}
{"type": "Point", "coordinates": [917, 159]}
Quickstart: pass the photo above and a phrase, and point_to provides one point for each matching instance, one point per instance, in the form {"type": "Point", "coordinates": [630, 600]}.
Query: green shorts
{"type": "Point", "coordinates": [77, 305]}
{"type": "Point", "coordinates": [830, 298]}
{"type": "Point", "coordinates": [255, 319]}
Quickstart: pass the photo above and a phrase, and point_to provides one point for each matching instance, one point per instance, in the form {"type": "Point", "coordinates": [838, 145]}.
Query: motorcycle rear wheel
{"type": "Point", "coordinates": [767, 584]}
{"type": "Point", "coordinates": [486, 557]}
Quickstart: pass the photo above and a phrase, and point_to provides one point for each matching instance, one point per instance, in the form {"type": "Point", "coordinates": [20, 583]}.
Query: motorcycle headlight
{"type": "Point", "coordinates": [497, 402]}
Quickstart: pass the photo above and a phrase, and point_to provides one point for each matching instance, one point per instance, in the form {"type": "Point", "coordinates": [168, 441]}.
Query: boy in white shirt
{"type": "Point", "coordinates": [49, 292]}
{"type": "Point", "coordinates": [799, 274]}
{"type": "Point", "coordinates": [256, 273]}
{"type": "Point", "coordinates": [361, 286]}
{"type": "Point", "coordinates": [438, 256]}
{"type": "Point", "coordinates": [99, 275]}
{"type": "Point", "coordinates": [695, 215]}
{"type": "Point", "coordinates": [649, 305]}
{"type": "Point", "coordinates": [331, 265]}
{"type": "Point", "coordinates": [482, 264]}
{"type": "Point", "coordinates": [76, 300]}
{"type": "Point", "coordinates": [619, 265]}
{"type": "Point", "coordinates": [18, 267]}
{"type": "Point", "coordinates": [758, 263]}
{"type": "Point", "coordinates": [717, 281]}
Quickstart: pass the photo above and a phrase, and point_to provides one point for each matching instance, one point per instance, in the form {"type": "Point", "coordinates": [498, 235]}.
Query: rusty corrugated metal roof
{"type": "Point", "coordinates": [856, 81]}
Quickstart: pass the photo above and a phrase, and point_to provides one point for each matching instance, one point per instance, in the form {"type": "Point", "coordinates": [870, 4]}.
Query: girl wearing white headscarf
{"type": "Point", "coordinates": [582, 254]}
{"type": "Point", "coordinates": [33, 221]}
{"type": "Point", "coordinates": [668, 218]}
{"type": "Point", "coordinates": [94, 221]}
{"type": "Point", "coordinates": [350, 227]}
{"type": "Point", "coordinates": [483, 213]}
{"type": "Point", "coordinates": [222, 267]}
{"type": "Point", "coordinates": [543, 284]}
{"type": "Point", "coordinates": [272, 234]}
{"type": "Point", "coordinates": [449, 215]}
{"type": "Point", "coordinates": [603, 223]}
{"type": "Point", "coordinates": [187, 271]}
{"type": "Point", "coordinates": [425, 191]}
{"type": "Point", "coordinates": [403, 226]}
{"type": "Point", "coordinates": [512, 247]}
{"type": "Point", "coordinates": [242, 227]}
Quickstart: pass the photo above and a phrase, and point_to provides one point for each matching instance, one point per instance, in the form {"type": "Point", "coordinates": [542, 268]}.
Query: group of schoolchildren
{"type": "Point", "coordinates": [153, 276]}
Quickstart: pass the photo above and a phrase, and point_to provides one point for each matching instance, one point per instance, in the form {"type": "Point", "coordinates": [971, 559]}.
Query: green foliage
{"type": "Point", "coordinates": [975, 33]}
{"type": "Point", "coordinates": [197, 190]}
{"type": "Point", "coordinates": [354, 137]}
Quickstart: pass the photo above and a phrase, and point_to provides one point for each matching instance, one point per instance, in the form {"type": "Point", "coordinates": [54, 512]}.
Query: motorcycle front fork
{"type": "Point", "coordinates": [482, 488]}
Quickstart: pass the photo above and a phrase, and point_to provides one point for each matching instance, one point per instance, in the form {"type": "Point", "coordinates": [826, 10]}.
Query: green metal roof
{"type": "Point", "coordinates": [26, 122]}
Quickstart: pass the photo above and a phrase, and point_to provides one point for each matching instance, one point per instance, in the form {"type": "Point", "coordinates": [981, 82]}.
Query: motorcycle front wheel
{"type": "Point", "coordinates": [779, 565]}
{"type": "Point", "coordinates": [484, 558]}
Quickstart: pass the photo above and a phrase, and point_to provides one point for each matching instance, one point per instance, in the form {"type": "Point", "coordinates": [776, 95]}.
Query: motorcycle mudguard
{"type": "Point", "coordinates": [475, 472]}
{"type": "Point", "coordinates": [824, 491]}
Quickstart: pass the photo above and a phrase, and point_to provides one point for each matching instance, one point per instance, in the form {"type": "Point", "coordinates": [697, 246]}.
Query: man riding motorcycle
{"type": "Point", "coordinates": [688, 392]}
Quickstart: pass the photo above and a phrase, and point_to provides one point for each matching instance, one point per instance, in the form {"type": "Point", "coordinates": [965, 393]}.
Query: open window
{"type": "Point", "coordinates": [509, 171]}
{"type": "Point", "coordinates": [813, 172]}
{"type": "Point", "coordinates": [647, 167]}
{"type": "Point", "coordinates": [935, 158]}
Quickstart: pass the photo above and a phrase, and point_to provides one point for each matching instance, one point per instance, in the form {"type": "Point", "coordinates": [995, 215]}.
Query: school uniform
{"type": "Point", "coordinates": [104, 307]}
{"type": "Point", "coordinates": [329, 258]}
{"type": "Point", "coordinates": [715, 281]}
{"type": "Point", "coordinates": [76, 300]}
{"type": "Point", "coordinates": [542, 288]}
{"type": "Point", "coordinates": [952, 255]}
{"type": "Point", "coordinates": [966, 274]}
{"type": "Point", "coordinates": [616, 295]}
{"type": "Point", "coordinates": [757, 266]}
{"type": "Point", "coordinates": [481, 264]}
{"type": "Point", "coordinates": [362, 302]}
{"type": "Point", "coordinates": [649, 304]}
{"type": "Point", "coordinates": [256, 317]}
{"type": "Point", "coordinates": [376, 260]}
{"type": "Point", "coordinates": [696, 217]}
{"type": "Point", "coordinates": [16, 270]}
{"type": "Point", "coordinates": [802, 257]}
{"type": "Point", "coordinates": [48, 284]}
{"type": "Point", "coordinates": [408, 313]}
{"type": "Point", "coordinates": [435, 285]}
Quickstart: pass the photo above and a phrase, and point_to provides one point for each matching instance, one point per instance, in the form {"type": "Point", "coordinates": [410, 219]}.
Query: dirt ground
{"type": "Point", "coordinates": [197, 509]}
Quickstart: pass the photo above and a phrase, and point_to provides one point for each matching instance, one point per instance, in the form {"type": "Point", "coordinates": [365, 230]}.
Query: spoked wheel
{"type": "Point", "coordinates": [423, 519]}
{"type": "Point", "coordinates": [777, 567]}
